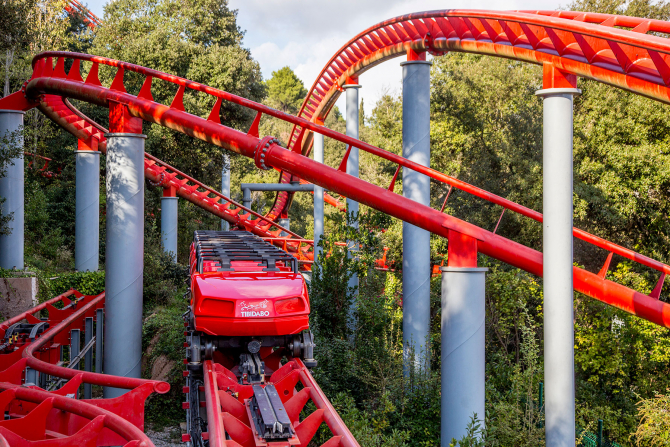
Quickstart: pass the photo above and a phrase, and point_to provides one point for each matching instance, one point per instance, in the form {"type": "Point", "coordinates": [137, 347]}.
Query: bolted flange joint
{"type": "Point", "coordinates": [160, 181]}
{"type": "Point", "coordinates": [261, 152]}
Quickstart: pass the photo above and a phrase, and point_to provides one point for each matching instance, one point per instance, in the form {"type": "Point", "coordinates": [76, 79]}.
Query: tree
{"type": "Point", "coordinates": [286, 91]}
{"type": "Point", "coordinates": [195, 39]}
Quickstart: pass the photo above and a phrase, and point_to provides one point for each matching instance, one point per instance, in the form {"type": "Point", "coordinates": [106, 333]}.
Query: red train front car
{"type": "Point", "coordinates": [249, 317]}
{"type": "Point", "coordinates": [241, 286]}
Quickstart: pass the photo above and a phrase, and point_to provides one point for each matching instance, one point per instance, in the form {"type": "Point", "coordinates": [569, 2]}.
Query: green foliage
{"type": "Point", "coordinates": [286, 91]}
{"type": "Point", "coordinates": [364, 429]}
{"type": "Point", "coordinates": [515, 417]}
{"type": "Point", "coordinates": [88, 283]}
{"type": "Point", "coordinates": [162, 341]}
{"type": "Point", "coordinates": [475, 435]}
{"type": "Point", "coordinates": [162, 277]}
{"type": "Point", "coordinates": [364, 359]}
{"type": "Point", "coordinates": [654, 428]}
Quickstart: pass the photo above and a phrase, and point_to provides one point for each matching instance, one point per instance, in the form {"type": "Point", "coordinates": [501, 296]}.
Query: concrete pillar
{"type": "Point", "coordinates": [11, 189]}
{"type": "Point", "coordinates": [225, 186]}
{"type": "Point", "coordinates": [125, 256]}
{"type": "Point", "coordinates": [87, 207]}
{"type": "Point", "coordinates": [559, 366]}
{"type": "Point", "coordinates": [352, 113]}
{"type": "Point", "coordinates": [463, 359]}
{"type": "Point", "coordinates": [318, 197]}
{"type": "Point", "coordinates": [416, 270]}
{"type": "Point", "coordinates": [169, 222]}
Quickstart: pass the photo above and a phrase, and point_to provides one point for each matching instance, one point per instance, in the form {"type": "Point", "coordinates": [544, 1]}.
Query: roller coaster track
{"type": "Point", "coordinates": [615, 50]}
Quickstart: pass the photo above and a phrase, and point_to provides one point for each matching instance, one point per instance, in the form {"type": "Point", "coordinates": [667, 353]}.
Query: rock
{"type": "Point", "coordinates": [17, 295]}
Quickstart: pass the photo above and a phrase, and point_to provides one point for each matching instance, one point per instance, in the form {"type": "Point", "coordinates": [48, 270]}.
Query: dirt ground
{"type": "Point", "coordinates": [169, 437]}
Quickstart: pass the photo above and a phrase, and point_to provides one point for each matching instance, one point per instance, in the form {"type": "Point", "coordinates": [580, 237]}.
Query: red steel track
{"type": "Point", "coordinates": [94, 422]}
{"type": "Point", "coordinates": [583, 44]}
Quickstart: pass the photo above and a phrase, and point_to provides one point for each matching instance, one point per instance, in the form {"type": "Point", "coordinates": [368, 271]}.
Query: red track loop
{"type": "Point", "coordinates": [584, 44]}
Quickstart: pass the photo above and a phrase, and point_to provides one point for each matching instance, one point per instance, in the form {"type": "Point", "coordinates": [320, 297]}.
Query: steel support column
{"type": "Point", "coordinates": [318, 198]}
{"type": "Point", "coordinates": [75, 347]}
{"type": "Point", "coordinates": [88, 357]}
{"type": "Point", "coordinates": [463, 339]}
{"type": "Point", "coordinates": [351, 90]}
{"type": "Point", "coordinates": [169, 222]}
{"type": "Point", "coordinates": [11, 190]}
{"type": "Point", "coordinates": [99, 324]}
{"type": "Point", "coordinates": [225, 186]}
{"type": "Point", "coordinates": [125, 247]}
{"type": "Point", "coordinates": [557, 184]}
{"type": "Point", "coordinates": [416, 270]}
{"type": "Point", "coordinates": [286, 223]}
{"type": "Point", "coordinates": [87, 205]}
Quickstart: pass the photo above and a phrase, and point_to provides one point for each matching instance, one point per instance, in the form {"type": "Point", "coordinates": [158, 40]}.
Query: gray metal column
{"type": "Point", "coordinates": [352, 113]}
{"type": "Point", "coordinates": [11, 189]}
{"type": "Point", "coordinates": [286, 223]}
{"type": "Point", "coordinates": [32, 376]}
{"type": "Point", "coordinates": [246, 198]}
{"type": "Point", "coordinates": [225, 186]}
{"type": "Point", "coordinates": [99, 325]}
{"type": "Point", "coordinates": [169, 225]}
{"type": "Point", "coordinates": [75, 347]}
{"type": "Point", "coordinates": [318, 197]}
{"type": "Point", "coordinates": [559, 365]}
{"type": "Point", "coordinates": [416, 268]}
{"type": "Point", "coordinates": [125, 257]}
{"type": "Point", "coordinates": [463, 359]}
{"type": "Point", "coordinates": [88, 357]}
{"type": "Point", "coordinates": [87, 214]}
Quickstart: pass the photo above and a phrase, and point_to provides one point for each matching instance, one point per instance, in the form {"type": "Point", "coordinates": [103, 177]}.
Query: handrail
{"type": "Point", "coordinates": [22, 316]}
{"type": "Point", "coordinates": [88, 377]}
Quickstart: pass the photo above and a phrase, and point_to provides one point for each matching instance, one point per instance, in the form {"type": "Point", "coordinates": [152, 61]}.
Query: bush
{"type": "Point", "coordinates": [88, 283]}
{"type": "Point", "coordinates": [654, 428]}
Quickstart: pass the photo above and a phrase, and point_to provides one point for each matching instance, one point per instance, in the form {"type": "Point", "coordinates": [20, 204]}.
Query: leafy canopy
{"type": "Point", "coordinates": [285, 90]}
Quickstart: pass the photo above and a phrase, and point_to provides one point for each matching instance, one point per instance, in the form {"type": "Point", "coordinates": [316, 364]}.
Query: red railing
{"type": "Point", "coordinates": [53, 80]}
{"type": "Point", "coordinates": [118, 421]}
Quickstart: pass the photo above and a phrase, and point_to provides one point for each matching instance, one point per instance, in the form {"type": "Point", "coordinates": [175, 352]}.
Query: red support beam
{"type": "Point", "coordinates": [462, 250]}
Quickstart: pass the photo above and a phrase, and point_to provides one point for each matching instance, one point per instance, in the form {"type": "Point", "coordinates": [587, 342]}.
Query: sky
{"type": "Point", "coordinates": [305, 34]}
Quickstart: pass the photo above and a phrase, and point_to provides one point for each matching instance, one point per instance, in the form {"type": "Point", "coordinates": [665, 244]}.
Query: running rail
{"type": "Point", "coordinates": [118, 421]}
{"type": "Point", "coordinates": [47, 80]}
{"type": "Point", "coordinates": [225, 402]}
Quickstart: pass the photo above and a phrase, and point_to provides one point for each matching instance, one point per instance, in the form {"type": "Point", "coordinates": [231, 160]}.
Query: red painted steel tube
{"type": "Point", "coordinates": [113, 422]}
{"type": "Point", "coordinates": [493, 245]}
{"type": "Point", "coordinates": [88, 377]}
{"type": "Point", "coordinates": [6, 324]}
{"type": "Point", "coordinates": [213, 406]}
{"type": "Point", "coordinates": [195, 198]}
{"type": "Point", "coordinates": [478, 192]}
